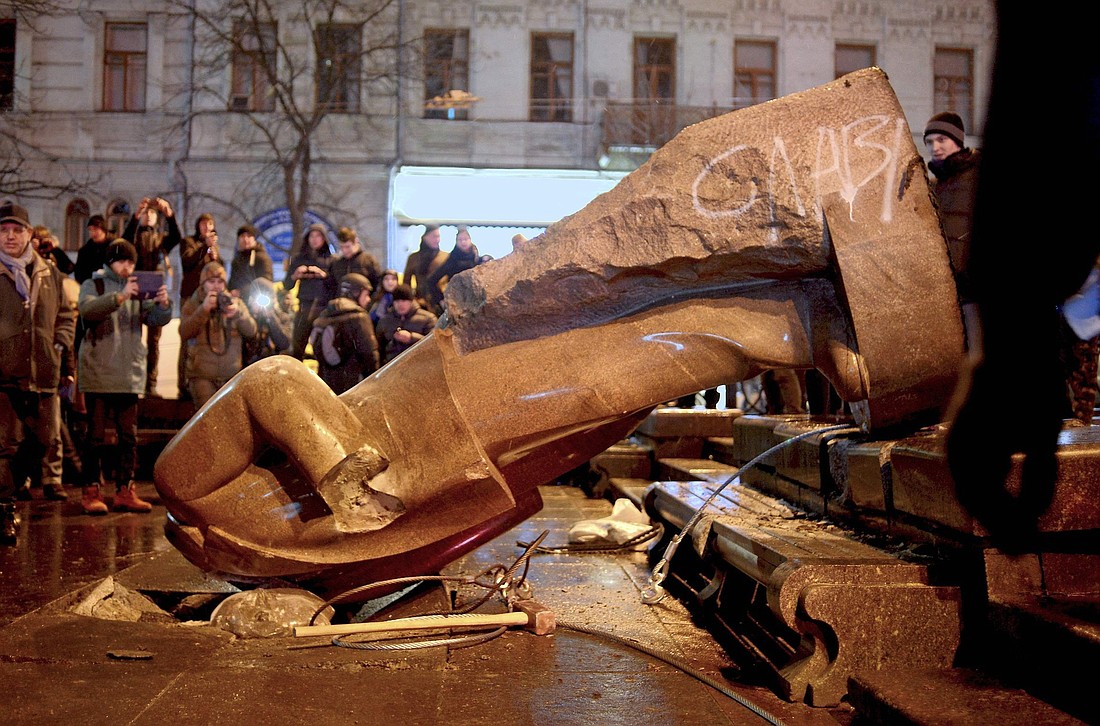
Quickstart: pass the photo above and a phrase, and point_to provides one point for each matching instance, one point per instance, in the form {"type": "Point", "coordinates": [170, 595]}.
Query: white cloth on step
{"type": "Point", "coordinates": [626, 521]}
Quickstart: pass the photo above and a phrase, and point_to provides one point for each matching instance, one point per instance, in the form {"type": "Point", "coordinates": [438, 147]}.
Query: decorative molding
{"type": "Point", "coordinates": [757, 6]}
{"type": "Point", "coordinates": [606, 19]}
{"type": "Point", "coordinates": [960, 12]}
{"type": "Point", "coordinates": [703, 22]}
{"type": "Point", "coordinates": [858, 8]}
{"type": "Point", "coordinates": [809, 26]}
{"type": "Point", "coordinates": [908, 30]}
{"type": "Point", "coordinates": [657, 5]}
{"type": "Point", "coordinates": [500, 16]}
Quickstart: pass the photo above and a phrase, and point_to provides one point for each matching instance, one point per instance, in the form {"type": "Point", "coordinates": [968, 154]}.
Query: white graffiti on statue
{"type": "Point", "coordinates": [846, 160]}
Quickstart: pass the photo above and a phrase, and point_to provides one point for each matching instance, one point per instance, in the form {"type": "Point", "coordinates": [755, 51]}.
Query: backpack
{"type": "Point", "coordinates": [328, 346]}
{"type": "Point", "coordinates": [101, 328]}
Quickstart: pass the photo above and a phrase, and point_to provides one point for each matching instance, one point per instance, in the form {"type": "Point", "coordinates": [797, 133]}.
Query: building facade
{"type": "Point", "coordinates": [387, 108]}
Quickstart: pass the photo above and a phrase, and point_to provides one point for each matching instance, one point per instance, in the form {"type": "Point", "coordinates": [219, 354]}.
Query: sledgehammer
{"type": "Point", "coordinates": [531, 614]}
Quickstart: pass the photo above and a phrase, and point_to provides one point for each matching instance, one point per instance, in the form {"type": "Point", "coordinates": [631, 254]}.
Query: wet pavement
{"type": "Point", "coordinates": [612, 659]}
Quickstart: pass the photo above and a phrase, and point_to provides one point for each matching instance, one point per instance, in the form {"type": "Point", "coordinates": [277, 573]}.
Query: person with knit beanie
{"type": "Point", "coordinates": [956, 170]}
{"type": "Point", "coordinates": [112, 374]}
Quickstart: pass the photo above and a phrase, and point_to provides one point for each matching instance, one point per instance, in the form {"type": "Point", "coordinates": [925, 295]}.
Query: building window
{"type": "Point", "coordinates": [551, 77]}
{"type": "Point", "coordinates": [850, 58]}
{"type": "Point", "coordinates": [754, 72]}
{"type": "Point", "coordinates": [253, 61]}
{"type": "Point", "coordinates": [76, 222]}
{"type": "Point", "coordinates": [124, 60]}
{"type": "Point", "coordinates": [654, 111]}
{"type": "Point", "coordinates": [7, 64]}
{"type": "Point", "coordinates": [953, 83]}
{"type": "Point", "coordinates": [118, 216]}
{"type": "Point", "coordinates": [446, 69]}
{"type": "Point", "coordinates": [338, 53]}
{"type": "Point", "coordinates": [654, 69]}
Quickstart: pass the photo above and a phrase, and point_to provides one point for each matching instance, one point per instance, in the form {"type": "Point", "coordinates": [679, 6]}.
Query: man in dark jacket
{"type": "Point", "coordinates": [404, 325]}
{"type": "Point", "coordinates": [424, 261]}
{"type": "Point", "coordinates": [352, 258]}
{"type": "Point", "coordinates": [956, 171]}
{"type": "Point", "coordinates": [93, 253]}
{"type": "Point", "coordinates": [343, 336]}
{"type": "Point", "coordinates": [36, 325]}
{"type": "Point", "coordinates": [153, 247]}
{"type": "Point", "coordinates": [250, 261]}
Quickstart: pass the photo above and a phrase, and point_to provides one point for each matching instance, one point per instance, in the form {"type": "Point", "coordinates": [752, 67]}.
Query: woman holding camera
{"type": "Point", "coordinates": [213, 324]}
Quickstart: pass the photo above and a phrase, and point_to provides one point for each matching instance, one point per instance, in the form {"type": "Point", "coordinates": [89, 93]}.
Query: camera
{"type": "Point", "coordinates": [224, 301]}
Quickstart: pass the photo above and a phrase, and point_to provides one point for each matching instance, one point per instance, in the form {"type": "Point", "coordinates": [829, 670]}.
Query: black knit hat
{"type": "Point", "coordinates": [120, 250]}
{"type": "Point", "coordinates": [403, 292]}
{"type": "Point", "coordinates": [948, 124]}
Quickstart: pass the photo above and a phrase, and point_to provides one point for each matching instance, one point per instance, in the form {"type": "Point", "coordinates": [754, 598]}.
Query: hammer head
{"type": "Point", "coordinates": [540, 619]}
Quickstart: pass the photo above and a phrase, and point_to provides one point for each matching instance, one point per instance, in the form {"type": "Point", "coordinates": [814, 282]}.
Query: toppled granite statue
{"type": "Point", "coordinates": [798, 233]}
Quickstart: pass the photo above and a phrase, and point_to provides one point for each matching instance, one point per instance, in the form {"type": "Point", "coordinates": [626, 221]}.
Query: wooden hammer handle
{"type": "Point", "coordinates": [424, 622]}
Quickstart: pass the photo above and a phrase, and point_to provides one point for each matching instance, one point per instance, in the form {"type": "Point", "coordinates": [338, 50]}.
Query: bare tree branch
{"type": "Point", "coordinates": [292, 66]}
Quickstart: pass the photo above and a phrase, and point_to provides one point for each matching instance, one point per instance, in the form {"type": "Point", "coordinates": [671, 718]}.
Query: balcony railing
{"type": "Point", "coordinates": [648, 124]}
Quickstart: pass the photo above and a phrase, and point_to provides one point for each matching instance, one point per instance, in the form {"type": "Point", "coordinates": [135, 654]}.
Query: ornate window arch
{"type": "Point", "coordinates": [118, 215]}
{"type": "Point", "coordinates": [76, 221]}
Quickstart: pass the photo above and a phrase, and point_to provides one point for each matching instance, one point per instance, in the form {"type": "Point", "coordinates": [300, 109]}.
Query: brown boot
{"type": "Point", "coordinates": [127, 500]}
{"type": "Point", "coordinates": [92, 502]}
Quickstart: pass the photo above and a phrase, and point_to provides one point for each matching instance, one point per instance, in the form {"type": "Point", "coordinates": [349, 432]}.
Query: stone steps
{"type": "Point", "coordinates": [1026, 615]}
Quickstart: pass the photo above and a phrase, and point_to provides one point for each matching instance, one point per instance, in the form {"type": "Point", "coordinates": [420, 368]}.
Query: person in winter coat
{"type": "Point", "coordinates": [343, 337]}
{"type": "Point", "coordinates": [956, 170]}
{"type": "Point", "coordinates": [48, 248]}
{"type": "Point", "coordinates": [195, 251]}
{"type": "Point", "coordinates": [111, 371]}
{"type": "Point", "coordinates": [403, 326]}
{"type": "Point", "coordinates": [36, 327]}
{"type": "Point", "coordinates": [214, 323]}
{"type": "Point", "coordinates": [462, 257]}
{"type": "Point", "coordinates": [153, 247]}
{"type": "Point", "coordinates": [92, 254]}
{"type": "Point", "coordinates": [250, 261]}
{"type": "Point", "coordinates": [424, 261]}
{"type": "Point", "coordinates": [381, 300]}
{"type": "Point", "coordinates": [352, 258]}
{"type": "Point", "coordinates": [308, 269]}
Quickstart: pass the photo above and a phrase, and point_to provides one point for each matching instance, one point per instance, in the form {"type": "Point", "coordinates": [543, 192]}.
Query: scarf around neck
{"type": "Point", "coordinates": [18, 268]}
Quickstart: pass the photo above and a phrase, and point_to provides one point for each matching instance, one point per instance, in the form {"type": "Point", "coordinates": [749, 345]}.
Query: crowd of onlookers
{"type": "Point", "coordinates": [81, 339]}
